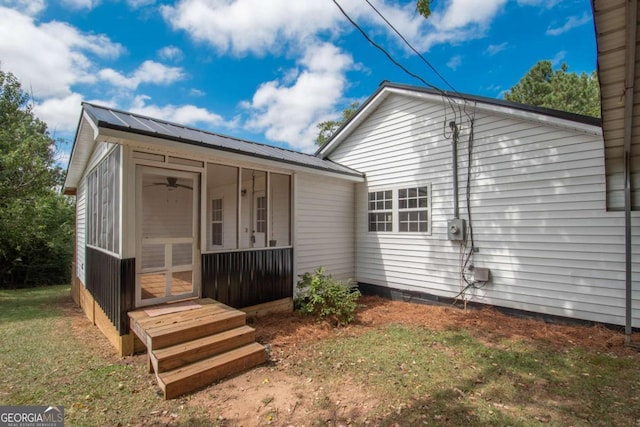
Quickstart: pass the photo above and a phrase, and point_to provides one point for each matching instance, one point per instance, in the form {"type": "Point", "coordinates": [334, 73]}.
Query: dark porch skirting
{"type": "Point", "coordinates": [111, 281]}
{"type": "Point", "coordinates": [245, 278]}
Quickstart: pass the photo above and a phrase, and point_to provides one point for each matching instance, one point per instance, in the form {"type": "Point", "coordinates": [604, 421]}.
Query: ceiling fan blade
{"type": "Point", "coordinates": [184, 186]}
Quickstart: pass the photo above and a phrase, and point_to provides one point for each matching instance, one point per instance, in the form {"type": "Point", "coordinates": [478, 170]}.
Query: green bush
{"type": "Point", "coordinates": [327, 298]}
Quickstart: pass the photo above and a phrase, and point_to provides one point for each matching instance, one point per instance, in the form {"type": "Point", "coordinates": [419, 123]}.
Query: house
{"type": "Point", "coordinates": [530, 195]}
{"type": "Point", "coordinates": [513, 214]}
{"type": "Point", "coordinates": [168, 213]}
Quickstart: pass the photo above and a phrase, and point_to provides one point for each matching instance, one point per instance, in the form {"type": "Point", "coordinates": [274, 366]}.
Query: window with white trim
{"type": "Point", "coordinates": [413, 209]}
{"type": "Point", "coordinates": [217, 226]}
{"type": "Point", "coordinates": [400, 210]}
{"type": "Point", "coordinates": [381, 210]}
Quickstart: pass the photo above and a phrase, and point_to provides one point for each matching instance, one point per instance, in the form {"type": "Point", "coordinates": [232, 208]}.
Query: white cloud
{"type": "Point", "coordinates": [557, 59]}
{"type": "Point", "coordinates": [494, 49]}
{"type": "Point", "coordinates": [171, 53]}
{"type": "Point", "coordinates": [27, 7]}
{"type": "Point", "coordinates": [80, 4]}
{"type": "Point", "coordinates": [49, 58]}
{"type": "Point", "coordinates": [288, 111]}
{"type": "Point", "coordinates": [571, 23]}
{"type": "Point", "coordinates": [461, 13]}
{"type": "Point", "coordinates": [256, 27]}
{"type": "Point", "coordinates": [136, 4]}
{"type": "Point", "coordinates": [250, 26]}
{"type": "Point", "coordinates": [197, 92]}
{"type": "Point", "coordinates": [454, 62]}
{"type": "Point", "coordinates": [183, 114]}
{"type": "Point", "coordinates": [547, 4]}
{"type": "Point", "coordinates": [60, 113]}
{"type": "Point", "coordinates": [148, 72]}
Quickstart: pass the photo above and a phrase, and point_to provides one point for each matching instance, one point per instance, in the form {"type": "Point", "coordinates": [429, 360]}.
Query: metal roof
{"type": "Point", "coordinates": [110, 118]}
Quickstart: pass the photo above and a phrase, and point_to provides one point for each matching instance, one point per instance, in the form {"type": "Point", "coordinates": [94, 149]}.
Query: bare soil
{"type": "Point", "coordinates": [280, 394]}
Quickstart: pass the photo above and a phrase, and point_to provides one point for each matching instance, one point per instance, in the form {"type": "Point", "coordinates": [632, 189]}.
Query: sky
{"type": "Point", "coordinates": [270, 70]}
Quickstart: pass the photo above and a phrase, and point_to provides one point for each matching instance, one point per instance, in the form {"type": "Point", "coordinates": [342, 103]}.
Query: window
{"type": "Point", "coordinates": [261, 214]}
{"type": "Point", "coordinates": [380, 211]}
{"type": "Point", "coordinates": [403, 210]}
{"type": "Point", "coordinates": [413, 209]}
{"type": "Point", "coordinates": [103, 204]}
{"type": "Point", "coordinates": [216, 222]}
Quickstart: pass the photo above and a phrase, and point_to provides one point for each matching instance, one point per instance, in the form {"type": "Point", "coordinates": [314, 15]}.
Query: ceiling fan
{"type": "Point", "coordinates": [171, 184]}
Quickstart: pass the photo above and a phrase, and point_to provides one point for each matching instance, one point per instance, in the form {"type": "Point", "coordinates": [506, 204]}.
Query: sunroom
{"type": "Point", "coordinates": [168, 213]}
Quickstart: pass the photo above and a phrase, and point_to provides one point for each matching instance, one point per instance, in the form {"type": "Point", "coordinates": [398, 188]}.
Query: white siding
{"type": "Point", "coordinates": [81, 230]}
{"type": "Point", "coordinates": [538, 207]}
{"type": "Point", "coordinates": [324, 226]}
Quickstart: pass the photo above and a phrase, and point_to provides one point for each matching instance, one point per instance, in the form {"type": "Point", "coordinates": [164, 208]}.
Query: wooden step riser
{"type": "Point", "coordinates": [208, 376]}
{"type": "Point", "coordinates": [228, 341]}
{"type": "Point", "coordinates": [189, 331]}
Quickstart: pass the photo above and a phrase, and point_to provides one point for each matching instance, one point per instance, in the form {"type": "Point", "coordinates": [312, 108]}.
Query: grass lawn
{"type": "Point", "coordinates": [408, 373]}
{"type": "Point", "coordinates": [45, 362]}
{"type": "Point", "coordinates": [423, 377]}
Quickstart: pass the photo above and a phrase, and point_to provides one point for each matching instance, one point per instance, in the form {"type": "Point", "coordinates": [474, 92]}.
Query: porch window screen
{"type": "Point", "coordinates": [380, 211]}
{"type": "Point", "coordinates": [222, 218]}
{"type": "Point", "coordinates": [103, 204]}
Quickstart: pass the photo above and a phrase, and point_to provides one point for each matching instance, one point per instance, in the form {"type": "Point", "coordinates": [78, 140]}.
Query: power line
{"type": "Point", "coordinates": [442, 93]}
{"type": "Point", "coordinates": [411, 47]}
{"type": "Point", "coordinates": [381, 49]}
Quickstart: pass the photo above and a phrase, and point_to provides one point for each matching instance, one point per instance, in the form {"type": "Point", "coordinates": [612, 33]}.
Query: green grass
{"type": "Point", "coordinates": [419, 377]}
{"type": "Point", "coordinates": [44, 363]}
{"type": "Point", "coordinates": [449, 378]}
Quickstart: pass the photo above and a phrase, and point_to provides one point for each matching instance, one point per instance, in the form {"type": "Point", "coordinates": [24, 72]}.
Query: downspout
{"type": "Point", "coordinates": [454, 155]}
{"type": "Point", "coordinates": [632, 10]}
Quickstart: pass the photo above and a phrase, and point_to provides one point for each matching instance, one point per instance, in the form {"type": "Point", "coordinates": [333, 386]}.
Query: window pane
{"type": "Point", "coordinates": [216, 234]}
{"type": "Point", "coordinates": [380, 221]}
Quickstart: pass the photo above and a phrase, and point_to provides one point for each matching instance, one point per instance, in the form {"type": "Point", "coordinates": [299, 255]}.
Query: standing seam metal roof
{"type": "Point", "coordinates": [129, 122]}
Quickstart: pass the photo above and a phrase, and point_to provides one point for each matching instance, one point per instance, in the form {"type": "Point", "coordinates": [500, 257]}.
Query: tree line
{"type": "Point", "coordinates": [36, 221]}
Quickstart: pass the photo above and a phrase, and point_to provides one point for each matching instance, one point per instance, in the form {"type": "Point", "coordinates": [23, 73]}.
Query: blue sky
{"type": "Point", "coordinates": [270, 70]}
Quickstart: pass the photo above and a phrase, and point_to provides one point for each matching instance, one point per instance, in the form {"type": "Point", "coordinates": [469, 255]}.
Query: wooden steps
{"type": "Point", "coordinates": [192, 349]}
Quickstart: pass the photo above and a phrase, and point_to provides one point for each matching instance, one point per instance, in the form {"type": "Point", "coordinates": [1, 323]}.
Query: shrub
{"type": "Point", "coordinates": [327, 298]}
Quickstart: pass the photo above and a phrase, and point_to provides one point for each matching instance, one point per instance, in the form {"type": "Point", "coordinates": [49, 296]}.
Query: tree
{"type": "Point", "coordinates": [424, 8]}
{"type": "Point", "coordinates": [36, 222]}
{"type": "Point", "coordinates": [329, 127]}
{"type": "Point", "coordinates": [559, 89]}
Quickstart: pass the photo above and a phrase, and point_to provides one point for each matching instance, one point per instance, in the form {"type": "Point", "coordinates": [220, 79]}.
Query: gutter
{"type": "Point", "coordinates": [631, 25]}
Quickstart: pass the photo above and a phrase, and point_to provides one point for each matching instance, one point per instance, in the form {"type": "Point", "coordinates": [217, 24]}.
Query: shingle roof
{"type": "Point", "coordinates": [129, 122]}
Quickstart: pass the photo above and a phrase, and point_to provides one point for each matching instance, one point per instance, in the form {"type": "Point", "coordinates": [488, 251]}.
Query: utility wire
{"type": "Point", "coordinates": [445, 95]}
{"type": "Point", "coordinates": [387, 54]}
{"type": "Point", "coordinates": [412, 48]}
